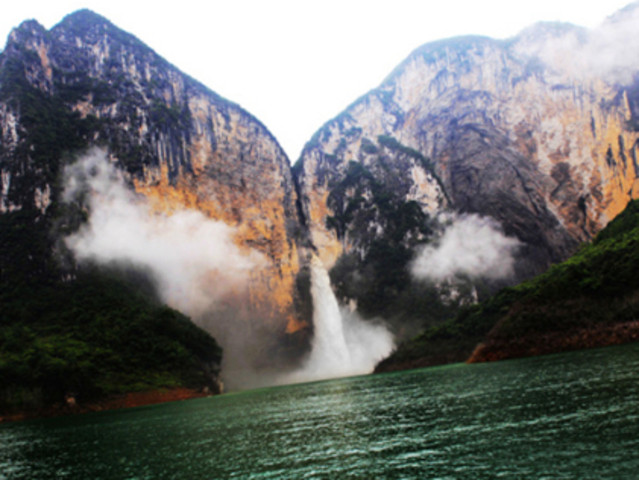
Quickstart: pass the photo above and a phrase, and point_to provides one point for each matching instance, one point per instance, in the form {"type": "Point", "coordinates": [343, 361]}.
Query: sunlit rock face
{"type": "Point", "coordinates": [517, 130]}
{"type": "Point", "coordinates": [85, 83]}
{"type": "Point", "coordinates": [531, 138]}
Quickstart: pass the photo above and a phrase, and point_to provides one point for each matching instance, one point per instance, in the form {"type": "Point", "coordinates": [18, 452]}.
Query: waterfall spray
{"type": "Point", "coordinates": [329, 343]}
{"type": "Point", "coordinates": [343, 344]}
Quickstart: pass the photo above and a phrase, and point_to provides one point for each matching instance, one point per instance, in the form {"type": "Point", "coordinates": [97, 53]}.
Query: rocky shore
{"type": "Point", "coordinates": [128, 400]}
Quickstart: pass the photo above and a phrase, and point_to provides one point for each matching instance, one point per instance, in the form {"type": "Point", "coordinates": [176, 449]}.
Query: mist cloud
{"type": "Point", "coordinates": [193, 258]}
{"type": "Point", "coordinates": [472, 246]}
{"type": "Point", "coordinates": [343, 343]}
{"type": "Point", "coordinates": [200, 271]}
{"type": "Point", "coordinates": [604, 52]}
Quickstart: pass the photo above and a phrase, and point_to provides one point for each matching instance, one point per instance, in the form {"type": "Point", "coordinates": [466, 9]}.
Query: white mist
{"type": "Point", "coordinates": [343, 344]}
{"type": "Point", "coordinates": [199, 270]}
{"type": "Point", "coordinates": [329, 351]}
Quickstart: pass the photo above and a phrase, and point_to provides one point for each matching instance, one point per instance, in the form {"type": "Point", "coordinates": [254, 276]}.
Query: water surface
{"type": "Point", "coordinates": [567, 416]}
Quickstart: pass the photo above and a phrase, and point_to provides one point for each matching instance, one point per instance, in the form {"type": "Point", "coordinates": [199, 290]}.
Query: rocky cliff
{"type": "Point", "coordinates": [477, 163]}
{"type": "Point", "coordinates": [516, 130]}
{"type": "Point", "coordinates": [180, 145]}
{"type": "Point", "coordinates": [588, 301]}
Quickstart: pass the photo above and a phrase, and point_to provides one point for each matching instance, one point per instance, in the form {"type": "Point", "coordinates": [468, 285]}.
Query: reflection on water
{"type": "Point", "coordinates": [562, 416]}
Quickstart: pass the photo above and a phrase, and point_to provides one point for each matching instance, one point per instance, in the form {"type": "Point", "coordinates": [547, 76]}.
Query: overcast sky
{"type": "Point", "coordinates": [295, 64]}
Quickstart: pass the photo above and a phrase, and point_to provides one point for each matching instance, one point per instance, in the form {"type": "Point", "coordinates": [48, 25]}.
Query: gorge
{"type": "Point", "coordinates": [118, 169]}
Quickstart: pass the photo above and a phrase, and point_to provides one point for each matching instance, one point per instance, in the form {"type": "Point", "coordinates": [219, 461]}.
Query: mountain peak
{"type": "Point", "coordinates": [630, 11]}
{"type": "Point", "coordinates": [546, 30]}
{"type": "Point", "coordinates": [30, 26]}
{"type": "Point", "coordinates": [27, 29]}
{"type": "Point", "coordinates": [87, 24]}
{"type": "Point", "coordinates": [439, 48]}
{"type": "Point", "coordinates": [84, 19]}
{"type": "Point", "coordinates": [432, 51]}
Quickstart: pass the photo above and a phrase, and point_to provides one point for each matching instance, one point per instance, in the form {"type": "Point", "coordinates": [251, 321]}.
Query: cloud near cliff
{"type": "Point", "coordinates": [603, 52]}
{"type": "Point", "coordinates": [193, 258]}
{"type": "Point", "coordinates": [470, 245]}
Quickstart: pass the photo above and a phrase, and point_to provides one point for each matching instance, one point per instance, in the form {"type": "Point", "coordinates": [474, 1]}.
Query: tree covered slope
{"type": "Point", "coordinates": [95, 336]}
{"type": "Point", "coordinates": [591, 299]}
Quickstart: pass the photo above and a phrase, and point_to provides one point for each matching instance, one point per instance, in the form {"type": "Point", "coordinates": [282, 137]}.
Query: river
{"type": "Point", "coordinates": [572, 416]}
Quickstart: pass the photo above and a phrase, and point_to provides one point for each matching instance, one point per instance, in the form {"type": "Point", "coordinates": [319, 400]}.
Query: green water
{"type": "Point", "coordinates": [573, 416]}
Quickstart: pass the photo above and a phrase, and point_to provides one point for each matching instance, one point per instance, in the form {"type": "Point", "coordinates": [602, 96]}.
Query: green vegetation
{"type": "Point", "coordinates": [98, 334]}
{"type": "Point", "coordinates": [597, 287]}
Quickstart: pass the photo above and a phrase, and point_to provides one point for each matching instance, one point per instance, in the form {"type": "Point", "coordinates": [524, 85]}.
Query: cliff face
{"type": "Point", "coordinates": [475, 125]}
{"type": "Point", "coordinates": [519, 131]}
{"type": "Point", "coordinates": [588, 301]}
{"type": "Point", "coordinates": [85, 82]}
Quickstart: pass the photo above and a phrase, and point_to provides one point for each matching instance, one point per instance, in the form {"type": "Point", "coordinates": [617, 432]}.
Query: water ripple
{"type": "Point", "coordinates": [562, 416]}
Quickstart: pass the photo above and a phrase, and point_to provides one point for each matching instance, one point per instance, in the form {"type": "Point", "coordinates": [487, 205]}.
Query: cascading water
{"type": "Point", "coordinates": [343, 344]}
{"type": "Point", "coordinates": [329, 343]}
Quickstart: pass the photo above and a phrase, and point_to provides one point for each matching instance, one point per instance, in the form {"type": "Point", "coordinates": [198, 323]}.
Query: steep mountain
{"type": "Point", "coordinates": [524, 131]}
{"type": "Point", "coordinates": [175, 146]}
{"type": "Point", "coordinates": [476, 164]}
{"type": "Point", "coordinates": [178, 145]}
{"type": "Point", "coordinates": [587, 301]}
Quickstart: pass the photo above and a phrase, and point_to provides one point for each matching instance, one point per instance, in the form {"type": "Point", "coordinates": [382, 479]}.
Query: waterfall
{"type": "Point", "coordinates": [329, 351]}
{"type": "Point", "coordinates": [343, 344]}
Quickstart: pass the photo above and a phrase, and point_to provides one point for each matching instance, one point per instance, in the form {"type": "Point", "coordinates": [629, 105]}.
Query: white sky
{"type": "Point", "coordinates": [295, 64]}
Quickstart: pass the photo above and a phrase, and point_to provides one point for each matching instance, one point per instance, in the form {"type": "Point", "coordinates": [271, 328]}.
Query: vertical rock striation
{"type": "Point", "coordinates": [85, 82]}
{"type": "Point", "coordinates": [476, 125]}
{"type": "Point", "coordinates": [526, 131]}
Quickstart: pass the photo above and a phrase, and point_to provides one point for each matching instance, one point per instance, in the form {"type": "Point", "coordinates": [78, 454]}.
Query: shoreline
{"type": "Point", "coordinates": [491, 350]}
{"type": "Point", "coordinates": [595, 336]}
{"type": "Point", "coordinates": [494, 350]}
{"type": "Point", "coordinates": [115, 402]}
